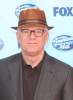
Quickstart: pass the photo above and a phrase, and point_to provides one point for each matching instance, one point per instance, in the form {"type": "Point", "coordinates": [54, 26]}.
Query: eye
{"type": "Point", "coordinates": [38, 31]}
{"type": "Point", "coordinates": [24, 31]}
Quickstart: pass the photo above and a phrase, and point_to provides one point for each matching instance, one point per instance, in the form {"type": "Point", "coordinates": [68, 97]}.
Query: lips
{"type": "Point", "coordinates": [31, 43]}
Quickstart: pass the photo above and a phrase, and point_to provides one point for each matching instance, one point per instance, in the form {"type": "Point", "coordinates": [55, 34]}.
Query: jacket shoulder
{"type": "Point", "coordinates": [9, 59]}
{"type": "Point", "coordinates": [57, 63]}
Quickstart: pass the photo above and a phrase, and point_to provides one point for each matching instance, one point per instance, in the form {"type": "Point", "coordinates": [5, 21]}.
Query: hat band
{"type": "Point", "coordinates": [32, 21]}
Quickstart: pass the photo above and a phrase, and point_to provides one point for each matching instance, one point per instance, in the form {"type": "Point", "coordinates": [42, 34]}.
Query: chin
{"type": "Point", "coordinates": [32, 53]}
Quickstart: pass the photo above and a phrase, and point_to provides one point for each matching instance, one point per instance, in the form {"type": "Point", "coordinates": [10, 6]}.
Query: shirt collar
{"type": "Point", "coordinates": [39, 66]}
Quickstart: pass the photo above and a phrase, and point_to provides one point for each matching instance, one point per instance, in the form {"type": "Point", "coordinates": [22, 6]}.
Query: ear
{"type": "Point", "coordinates": [17, 36]}
{"type": "Point", "coordinates": [47, 37]}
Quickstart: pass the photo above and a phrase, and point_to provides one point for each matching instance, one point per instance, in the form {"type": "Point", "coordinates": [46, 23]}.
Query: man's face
{"type": "Point", "coordinates": [32, 44]}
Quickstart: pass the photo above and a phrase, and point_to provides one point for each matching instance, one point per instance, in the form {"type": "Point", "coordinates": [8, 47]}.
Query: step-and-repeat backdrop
{"type": "Point", "coordinates": [59, 14]}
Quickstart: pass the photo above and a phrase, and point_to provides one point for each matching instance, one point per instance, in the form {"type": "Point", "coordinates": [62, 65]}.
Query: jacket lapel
{"type": "Point", "coordinates": [44, 83]}
{"type": "Point", "coordinates": [15, 69]}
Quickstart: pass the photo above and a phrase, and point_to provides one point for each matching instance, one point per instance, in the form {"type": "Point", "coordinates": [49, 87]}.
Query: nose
{"type": "Point", "coordinates": [32, 35]}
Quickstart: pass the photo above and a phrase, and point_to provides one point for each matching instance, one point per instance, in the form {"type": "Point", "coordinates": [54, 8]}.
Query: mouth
{"type": "Point", "coordinates": [31, 43]}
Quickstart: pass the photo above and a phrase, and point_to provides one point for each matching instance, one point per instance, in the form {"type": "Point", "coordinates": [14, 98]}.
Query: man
{"type": "Point", "coordinates": [33, 74]}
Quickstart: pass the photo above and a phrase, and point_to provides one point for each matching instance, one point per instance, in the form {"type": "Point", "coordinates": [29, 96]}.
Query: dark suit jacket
{"type": "Point", "coordinates": [55, 81]}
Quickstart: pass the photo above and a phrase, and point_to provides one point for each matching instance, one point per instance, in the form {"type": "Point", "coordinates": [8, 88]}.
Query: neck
{"type": "Point", "coordinates": [33, 60]}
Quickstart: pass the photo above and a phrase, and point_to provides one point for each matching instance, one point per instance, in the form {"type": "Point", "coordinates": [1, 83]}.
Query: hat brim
{"type": "Point", "coordinates": [33, 25]}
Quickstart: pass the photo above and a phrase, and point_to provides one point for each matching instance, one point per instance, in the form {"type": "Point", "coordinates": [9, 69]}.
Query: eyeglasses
{"type": "Point", "coordinates": [27, 32]}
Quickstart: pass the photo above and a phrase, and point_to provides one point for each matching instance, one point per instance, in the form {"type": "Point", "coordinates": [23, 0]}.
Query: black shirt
{"type": "Point", "coordinates": [30, 78]}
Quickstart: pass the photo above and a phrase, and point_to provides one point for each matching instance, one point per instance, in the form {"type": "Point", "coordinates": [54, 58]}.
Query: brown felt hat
{"type": "Point", "coordinates": [32, 18]}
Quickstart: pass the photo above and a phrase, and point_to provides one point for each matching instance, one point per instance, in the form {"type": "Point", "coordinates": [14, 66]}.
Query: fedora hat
{"type": "Point", "coordinates": [32, 17]}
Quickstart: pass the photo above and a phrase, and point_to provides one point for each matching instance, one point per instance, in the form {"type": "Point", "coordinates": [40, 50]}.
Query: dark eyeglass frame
{"type": "Point", "coordinates": [37, 32]}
